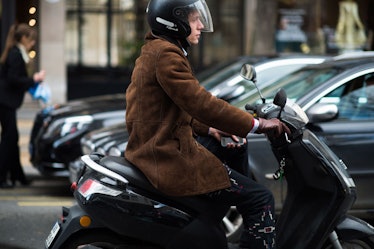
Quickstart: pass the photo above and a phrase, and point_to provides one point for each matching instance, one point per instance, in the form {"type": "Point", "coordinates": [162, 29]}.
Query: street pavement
{"type": "Point", "coordinates": [27, 213]}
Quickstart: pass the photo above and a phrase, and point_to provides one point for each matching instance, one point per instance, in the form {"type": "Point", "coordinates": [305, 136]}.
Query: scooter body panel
{"type": "Point", "coordinates": [133, 211]}
{"type": "Point", "coordinates": [68, 226]}
{"type": "Point", "coordinates": [316, 197]}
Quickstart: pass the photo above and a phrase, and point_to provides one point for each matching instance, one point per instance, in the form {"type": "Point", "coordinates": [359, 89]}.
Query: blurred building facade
{"type": "Point", "coordinates": [88, 47]}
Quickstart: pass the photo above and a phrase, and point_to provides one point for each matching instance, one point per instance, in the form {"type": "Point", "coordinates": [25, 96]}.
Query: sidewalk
{"type": "Point", "coordinates": [25, 119]}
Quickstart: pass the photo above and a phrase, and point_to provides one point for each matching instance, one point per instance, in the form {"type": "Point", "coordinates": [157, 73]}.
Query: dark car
{"type": "Point", "coordinates": [56, 133]}
{"type": "Point", "coordinates": [340, 105]}
{"type": "Point", "coordinates": [55, 138]}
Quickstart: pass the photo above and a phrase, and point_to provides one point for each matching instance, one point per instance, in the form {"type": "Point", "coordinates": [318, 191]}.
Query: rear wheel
{"type": "Point", "coordinates": [104, 240]}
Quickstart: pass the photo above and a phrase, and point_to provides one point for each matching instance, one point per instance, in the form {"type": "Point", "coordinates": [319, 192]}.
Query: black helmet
{"type": "Point", "coordinates": [170, 17]}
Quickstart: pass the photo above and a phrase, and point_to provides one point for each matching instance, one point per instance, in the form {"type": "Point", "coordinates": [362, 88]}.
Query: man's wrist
{"type": "Point", "coordinates": [255, 125]}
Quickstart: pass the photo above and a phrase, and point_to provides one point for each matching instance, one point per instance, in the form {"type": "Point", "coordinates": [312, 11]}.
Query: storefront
{"type": "Point", "coordinates": [103, 39]}
{"type": "Point", "coordinates": [98, 40]}
{"type": "Point", "coordinates": [323, 27]}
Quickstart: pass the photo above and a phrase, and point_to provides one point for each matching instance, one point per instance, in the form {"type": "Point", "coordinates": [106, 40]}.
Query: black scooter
{"type": "Point", "coordinates": [118, 208]}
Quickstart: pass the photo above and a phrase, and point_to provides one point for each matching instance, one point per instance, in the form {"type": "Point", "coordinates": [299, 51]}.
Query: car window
{"type": "Point", "coordinates": [235, 86]}
{"type": "Point", "coordinates": [295, 84]}
{"type": "Point", "coordinates": [355, 99]}
{"type": "Point", "coordinates": [221, 74]}
{"type": "Point", "coordinates": [268, 75]}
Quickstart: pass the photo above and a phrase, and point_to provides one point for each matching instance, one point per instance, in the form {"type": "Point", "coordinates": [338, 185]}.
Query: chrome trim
{"type": "Point", "coordinates": [269, 176]}
{"type": "Point", "coordinates": [335, 240]}
{"type": "Point", "coordinates": [348, 180]}
{"type": "Point", "coordinates": [97, 167]}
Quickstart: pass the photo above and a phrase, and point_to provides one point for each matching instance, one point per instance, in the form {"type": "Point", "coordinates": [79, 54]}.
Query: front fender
{"type": "Point", "coordinates": [353, 228]}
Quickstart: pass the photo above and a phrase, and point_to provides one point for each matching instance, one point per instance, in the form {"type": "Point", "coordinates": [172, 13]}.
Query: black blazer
{"type": "Point", "coordinates": [14, 80]}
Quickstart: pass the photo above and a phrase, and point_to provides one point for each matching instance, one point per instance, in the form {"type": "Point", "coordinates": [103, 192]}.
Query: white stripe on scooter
{"type": "Point", "coordinates": [97, 167]}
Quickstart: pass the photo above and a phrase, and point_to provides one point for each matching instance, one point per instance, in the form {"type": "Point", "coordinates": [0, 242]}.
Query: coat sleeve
{"type": "Point", "coordinates": [16, 74]}
{"type": "Point", "coordinates": [199, 128]}
{"type": "Point", "coordinates": [175, 76]}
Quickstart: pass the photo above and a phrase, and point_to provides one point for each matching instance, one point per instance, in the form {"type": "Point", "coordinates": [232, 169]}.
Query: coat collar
{"type": "Point", "coordinates": [182, 45]}
{"type": "Point", "coordinates": [24, 54]}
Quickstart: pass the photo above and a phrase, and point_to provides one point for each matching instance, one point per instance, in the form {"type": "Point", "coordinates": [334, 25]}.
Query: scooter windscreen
{"type": "Point", "coordinates": [294, 115]}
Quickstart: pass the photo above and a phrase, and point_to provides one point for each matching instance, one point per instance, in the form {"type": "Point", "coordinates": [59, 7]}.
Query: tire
{"type": "Point", "coordinates": [365, 243]}
{"type": "Point", "coordinates": [103, 240]}
{"type": "Point", "coordinates": [233, 225]}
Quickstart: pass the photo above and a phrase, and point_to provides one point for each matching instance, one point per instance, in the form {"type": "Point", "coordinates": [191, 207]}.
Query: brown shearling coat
{"type": "Point", "coordinates": [166, 106]}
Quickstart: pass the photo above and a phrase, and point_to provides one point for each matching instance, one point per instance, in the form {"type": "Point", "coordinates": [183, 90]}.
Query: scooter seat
{"type": "Point", "coordinates": [126, 169]}
{"type": "Point", "coordinates": [200, 204]}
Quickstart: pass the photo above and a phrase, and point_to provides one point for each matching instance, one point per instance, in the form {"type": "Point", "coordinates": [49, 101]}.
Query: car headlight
{"type": "Point", "coordinates": [67, 126]}
{"type": "Point", "coordinates": [118, 150]}
{"type": "Point", "coordinates": [87, 146]}
{"type": "Point", "coordinates": [101, 151]}
{"type": "Point", "coordinates": [114, 151]}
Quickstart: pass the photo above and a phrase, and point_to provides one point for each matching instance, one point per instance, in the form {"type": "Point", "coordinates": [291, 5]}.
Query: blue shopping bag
{"type": "Point", "coordinates": [40, 92]}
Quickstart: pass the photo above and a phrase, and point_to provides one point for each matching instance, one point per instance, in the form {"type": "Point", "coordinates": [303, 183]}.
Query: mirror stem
{"type": "Point", "coordinates": [258, 90]}
{"type": "Point", "coordinates": [280, 112]}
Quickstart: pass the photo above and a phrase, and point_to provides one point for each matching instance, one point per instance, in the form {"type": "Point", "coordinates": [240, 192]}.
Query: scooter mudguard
{"type": "Point", "coordinates": [69, 224]}
{"type": "Point", "coordinates": [354, 228]}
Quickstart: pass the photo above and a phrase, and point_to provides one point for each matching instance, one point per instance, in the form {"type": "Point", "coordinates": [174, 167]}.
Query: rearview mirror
{"type": "Point", "coordinates": [248, 72]}
{"type": "Point", "coordinates": [322, 112]}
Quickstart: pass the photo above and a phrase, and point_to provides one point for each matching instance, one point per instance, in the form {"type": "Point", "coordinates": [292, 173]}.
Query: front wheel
{"type": "Point", "coordinates": [104, 240]}
{"type": "Point", "coordinates": [366, 243]}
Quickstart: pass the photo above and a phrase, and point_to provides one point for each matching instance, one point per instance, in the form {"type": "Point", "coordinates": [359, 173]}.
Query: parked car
{"type": "Point", "coordinates": [56, 134]}
{"type": "Point", "coordinates": [227, 84]}
{"type": "Point", "coordinates": [340, 105]}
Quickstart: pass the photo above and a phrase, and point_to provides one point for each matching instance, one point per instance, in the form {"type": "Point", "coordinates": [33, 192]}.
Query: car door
{"type": "Point", "coordinates": [351, 136]}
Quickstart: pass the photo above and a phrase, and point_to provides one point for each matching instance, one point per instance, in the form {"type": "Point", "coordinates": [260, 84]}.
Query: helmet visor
{"type": "Point", "coordinates": [205, 17]}
{"type": "Point", "coordinates": [204, 14]}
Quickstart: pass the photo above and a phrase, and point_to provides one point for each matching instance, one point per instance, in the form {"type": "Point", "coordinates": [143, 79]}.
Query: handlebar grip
{"type": "Point", "coordinates": [250, 107]}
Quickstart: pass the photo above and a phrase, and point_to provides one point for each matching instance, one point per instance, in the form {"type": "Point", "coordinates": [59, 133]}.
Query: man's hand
{"type": "Point", "coordinates": [218, 134]}
{"type": "Point", "coordinates": [272, 125]}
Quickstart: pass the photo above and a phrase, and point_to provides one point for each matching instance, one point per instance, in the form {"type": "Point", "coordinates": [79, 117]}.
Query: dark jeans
{"type": "Point", "coordinates": [253, 201]}
{"type": "Point", "coordinates": [236, 158]}
{"type": "Point", "coordinates": [9, 149]}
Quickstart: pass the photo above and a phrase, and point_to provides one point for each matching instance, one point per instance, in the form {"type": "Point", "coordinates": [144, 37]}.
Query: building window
{"type": "Point", "coordinates": [109, 33]}
{"type": "Point", "coordinates": [226, 41]}
{"type": "Point", "coordinates": [103, 32]}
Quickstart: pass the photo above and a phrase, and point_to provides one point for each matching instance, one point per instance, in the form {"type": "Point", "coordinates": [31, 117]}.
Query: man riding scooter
{"type": "Point", "coordinates": [166, 108]}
